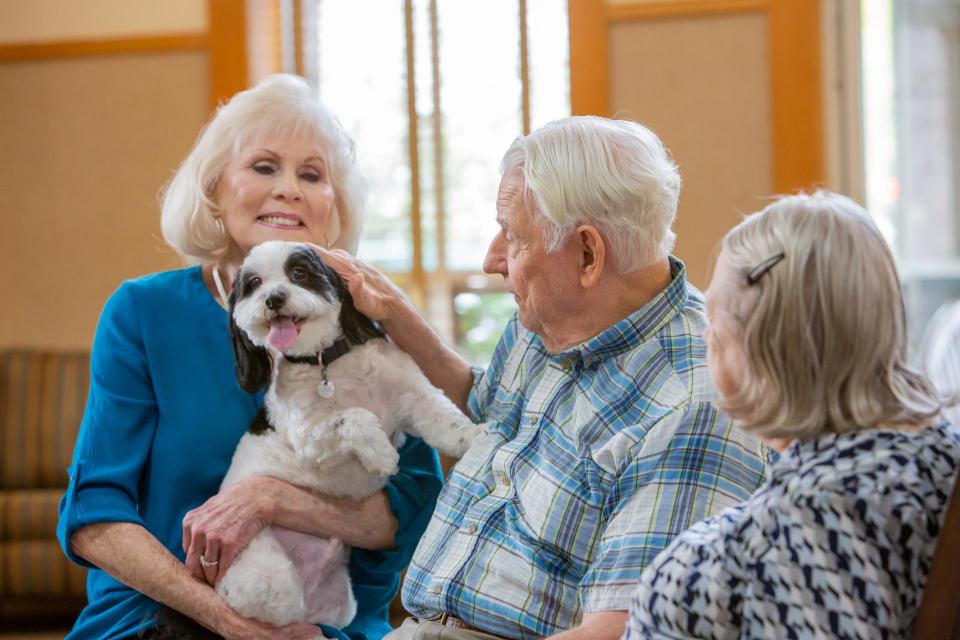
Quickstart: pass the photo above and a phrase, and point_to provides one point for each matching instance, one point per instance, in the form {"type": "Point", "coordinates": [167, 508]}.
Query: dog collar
{"type": "Point", "coordinates": [331, 353]}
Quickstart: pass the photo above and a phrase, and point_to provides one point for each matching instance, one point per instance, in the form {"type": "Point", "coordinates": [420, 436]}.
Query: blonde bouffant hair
{"type": "Point", "coordinates": [279, 104]}
{"type": "Point", "coordinates": [824, 329]}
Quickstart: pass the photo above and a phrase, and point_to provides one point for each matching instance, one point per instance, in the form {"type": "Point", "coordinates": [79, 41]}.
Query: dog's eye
{"type": "Point", "coordinates": [254, 282]}
{"type": "Point", "coordinates": [297, 274]}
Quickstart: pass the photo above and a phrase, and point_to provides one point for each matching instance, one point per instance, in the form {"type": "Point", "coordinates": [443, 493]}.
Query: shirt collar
{"type": "Point", "coordinates": [632, 330]}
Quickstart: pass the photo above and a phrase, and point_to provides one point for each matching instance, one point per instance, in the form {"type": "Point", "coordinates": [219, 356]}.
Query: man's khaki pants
{"type": "Point", "coordinates": [413, 629]}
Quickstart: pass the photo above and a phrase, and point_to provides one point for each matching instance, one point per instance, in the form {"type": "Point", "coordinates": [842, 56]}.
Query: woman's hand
{"type": "Point", "coordinates": [373, 294]}
{"type": "Point", "coordinates": [215, 532]}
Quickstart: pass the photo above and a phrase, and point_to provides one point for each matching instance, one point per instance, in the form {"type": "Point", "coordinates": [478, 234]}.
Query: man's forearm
{"type": "Point", "coordinates": [444, 367]}
{"type": "Point", "coordinates": [602, 625]}
{"type": "Point", "coordinates": [366, 524]}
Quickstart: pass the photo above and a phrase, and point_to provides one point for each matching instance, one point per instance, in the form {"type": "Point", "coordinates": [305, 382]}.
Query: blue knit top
{"type": "Point", "coordinates": [163, 417]}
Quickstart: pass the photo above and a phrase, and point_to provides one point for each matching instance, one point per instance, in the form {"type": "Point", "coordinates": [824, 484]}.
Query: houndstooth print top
{"type": "Point", "coordinates": [836, 544]}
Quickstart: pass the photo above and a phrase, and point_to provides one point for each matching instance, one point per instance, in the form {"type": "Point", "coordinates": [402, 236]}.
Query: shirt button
{"type": "Point", "coordinates": [505, 481]}
{"type": "Point", "coordinates": [470, 530]}
{"type": "Point", "coordinates": [436, 589]}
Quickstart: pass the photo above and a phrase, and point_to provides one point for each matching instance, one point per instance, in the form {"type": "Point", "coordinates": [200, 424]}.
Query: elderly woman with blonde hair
{"type": "Point", "coordinates": [165, 411]}
{"type": "Point", "coordinates": [807, 348]}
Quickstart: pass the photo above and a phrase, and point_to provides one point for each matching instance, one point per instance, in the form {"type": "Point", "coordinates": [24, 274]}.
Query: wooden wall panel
{"type": "Point", "coordinates": [87, 142]}
{"type": "Point", "coordinates": [228, 49]}
{"type": "Point", "coordinates": [702, 84]}
{"type": "Point", "coordinates": [589, 62]}
{"type": "Point", "coordinates": [796, 86]}
{"type": "Point", "coordinates": [66, 20]}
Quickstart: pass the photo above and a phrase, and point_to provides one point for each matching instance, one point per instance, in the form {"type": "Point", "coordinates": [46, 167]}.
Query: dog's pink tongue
{"type": "Point", "coordinates": [282, 334]}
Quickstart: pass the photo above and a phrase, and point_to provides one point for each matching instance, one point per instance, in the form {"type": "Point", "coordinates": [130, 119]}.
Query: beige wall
{"type": "Point", "coordinates": [90, 140]}
{"type": "Point", "coordinates": [701, 83]}
{"type": "Point", "coordinates": [87, 143]}
{"type": "Point", "coordinates": [53, 20]}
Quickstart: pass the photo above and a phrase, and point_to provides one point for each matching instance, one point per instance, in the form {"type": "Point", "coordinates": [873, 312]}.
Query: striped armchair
{"type": "Point", "coordinates": [42, 397]}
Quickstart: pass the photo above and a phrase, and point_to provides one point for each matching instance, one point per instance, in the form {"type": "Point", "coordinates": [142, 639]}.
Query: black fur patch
{"type": "Point", "coordinates": [253, 363]}
{"type": "Point", "coordinates": [320, 278]}
{"type": "Point", "coordinates": [261, 423]}
{"type": "Point", "coordinates": [304, 268]}
{"type": "Point", "coordinates": [173, 625]}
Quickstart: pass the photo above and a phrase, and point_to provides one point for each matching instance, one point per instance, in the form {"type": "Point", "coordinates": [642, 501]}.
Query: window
{"type": "Point", "coordinates": [911, 115]}
{"type": "Point", "coordinates": [433, 92]}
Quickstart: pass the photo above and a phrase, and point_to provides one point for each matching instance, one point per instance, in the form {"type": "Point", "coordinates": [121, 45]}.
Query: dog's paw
{"type": "Point", "coordinates": [379, 457]}
{"type": "Point", "coordinates": [457, 439]}
{"type": "Point", "coordinates": [362, 434]}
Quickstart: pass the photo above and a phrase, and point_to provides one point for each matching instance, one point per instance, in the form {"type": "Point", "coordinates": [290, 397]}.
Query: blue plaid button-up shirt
{"type": "Point", "coordinates": [594, 459]}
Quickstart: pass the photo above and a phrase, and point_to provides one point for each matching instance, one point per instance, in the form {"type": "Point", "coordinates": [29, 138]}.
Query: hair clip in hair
{"type": "Point", "coordinates": [754, 275]}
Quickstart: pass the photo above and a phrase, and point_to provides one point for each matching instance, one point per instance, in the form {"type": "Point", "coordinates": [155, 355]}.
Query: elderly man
{"type": "Point", "coordinates": [602, 442]}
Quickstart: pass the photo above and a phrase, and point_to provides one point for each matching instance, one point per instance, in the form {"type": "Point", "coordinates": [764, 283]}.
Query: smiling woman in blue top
{"type": "Point", "coordinates": [165, 411]}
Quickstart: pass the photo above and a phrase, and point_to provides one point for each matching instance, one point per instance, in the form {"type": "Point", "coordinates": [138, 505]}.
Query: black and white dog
{"type": "Point", "coordinates": [340, 398]}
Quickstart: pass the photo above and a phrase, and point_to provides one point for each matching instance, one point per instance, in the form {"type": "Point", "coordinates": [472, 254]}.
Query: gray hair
{"type": "Point", "coordinates": [824, 329]}
{"type": "Point", "coordinates": [279, 104]}
{"type": "Point", "coordinates": [613, 174]}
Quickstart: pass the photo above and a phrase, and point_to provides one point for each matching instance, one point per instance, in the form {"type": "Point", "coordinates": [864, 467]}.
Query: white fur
{"type": "Point", "coordinates": [340, 446]}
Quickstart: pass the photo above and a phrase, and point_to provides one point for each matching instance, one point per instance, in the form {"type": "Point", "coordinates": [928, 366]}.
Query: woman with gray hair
{"type": "Point", "coordinates": [165, 411]}
{"type": "Point", "coordinates": [807, 347]}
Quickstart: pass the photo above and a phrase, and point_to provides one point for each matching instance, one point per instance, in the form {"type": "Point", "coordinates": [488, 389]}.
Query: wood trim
{"type": "Point", "coordinates": [264, 50]}
{"type": "Point", "coordinates": [228, 49]}
{"type": "Point", "coordinates": [298, 40]}
{"type": "Point", "coordinates": [114, 46]}
{"type": "Point", "coordinates": [679, 9]}
{"type": "Point", "coordinates": [524, 68]}
{"type": "Point", "coordinates": [413, 141]}
{"type": "Point", "coordinates": [439, 185]}
{"type": "Point", "coordinates": [797, 94]}
{"type": "Point", "coordinates": [277, 26]}
{"type": "Point", "coordinates": [589, 58]}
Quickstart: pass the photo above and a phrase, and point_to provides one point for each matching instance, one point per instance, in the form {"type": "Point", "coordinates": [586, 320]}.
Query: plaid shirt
{"type": "Point", "coordinates": [594, 459]}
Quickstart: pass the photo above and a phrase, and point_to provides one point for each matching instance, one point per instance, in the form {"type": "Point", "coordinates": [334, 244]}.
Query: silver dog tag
{"type": "Point", "coordinates": [326, 389]}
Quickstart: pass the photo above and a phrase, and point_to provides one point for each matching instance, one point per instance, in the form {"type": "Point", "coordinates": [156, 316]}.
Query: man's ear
{"type": "Point", "coordinates": [592, 255]}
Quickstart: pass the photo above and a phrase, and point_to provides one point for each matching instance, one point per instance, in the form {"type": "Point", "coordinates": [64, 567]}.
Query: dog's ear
{"type": "Point", "coordinates": [253, 363]}
{"type": "Point", "coordinates": [356, 327]}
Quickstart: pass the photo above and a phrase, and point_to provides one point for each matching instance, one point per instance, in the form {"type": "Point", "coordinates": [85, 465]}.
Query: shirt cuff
{"type": "Point", "coordinates": [616, 597]}
{"type": "Point", "coordinates": [91, 505]}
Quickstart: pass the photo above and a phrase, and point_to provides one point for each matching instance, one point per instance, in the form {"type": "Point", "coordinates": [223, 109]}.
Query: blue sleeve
{"type": "Point", "coordinates": [413, 494]}
{"type": "Point", "coordinates": [117, 429]}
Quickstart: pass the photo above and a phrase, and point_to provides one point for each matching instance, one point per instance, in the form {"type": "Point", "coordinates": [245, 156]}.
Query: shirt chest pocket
{"type": "Point", "coordinates": [559, 511]}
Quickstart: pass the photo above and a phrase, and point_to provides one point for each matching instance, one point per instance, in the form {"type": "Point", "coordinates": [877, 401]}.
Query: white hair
{"type": "Point", "coordinates": [613, 174]}
{"type": "Point", "coordinates": [824, 329]}
{"type": "Point", "coordinates": [280, 104]}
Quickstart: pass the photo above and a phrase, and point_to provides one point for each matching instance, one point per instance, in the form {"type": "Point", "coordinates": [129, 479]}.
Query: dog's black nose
{"type": "Point", "coordinates": [275, 300]}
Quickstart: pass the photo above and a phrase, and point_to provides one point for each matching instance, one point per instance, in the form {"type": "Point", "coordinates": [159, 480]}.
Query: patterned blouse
{"type": "Point", "coordinates": [836, 544]}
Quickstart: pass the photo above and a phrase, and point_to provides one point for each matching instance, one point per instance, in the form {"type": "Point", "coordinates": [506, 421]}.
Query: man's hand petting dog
{"type": "Point", "coordinates": [220, 528]}
{"type": "Point", "coordinates": [373, 293]}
